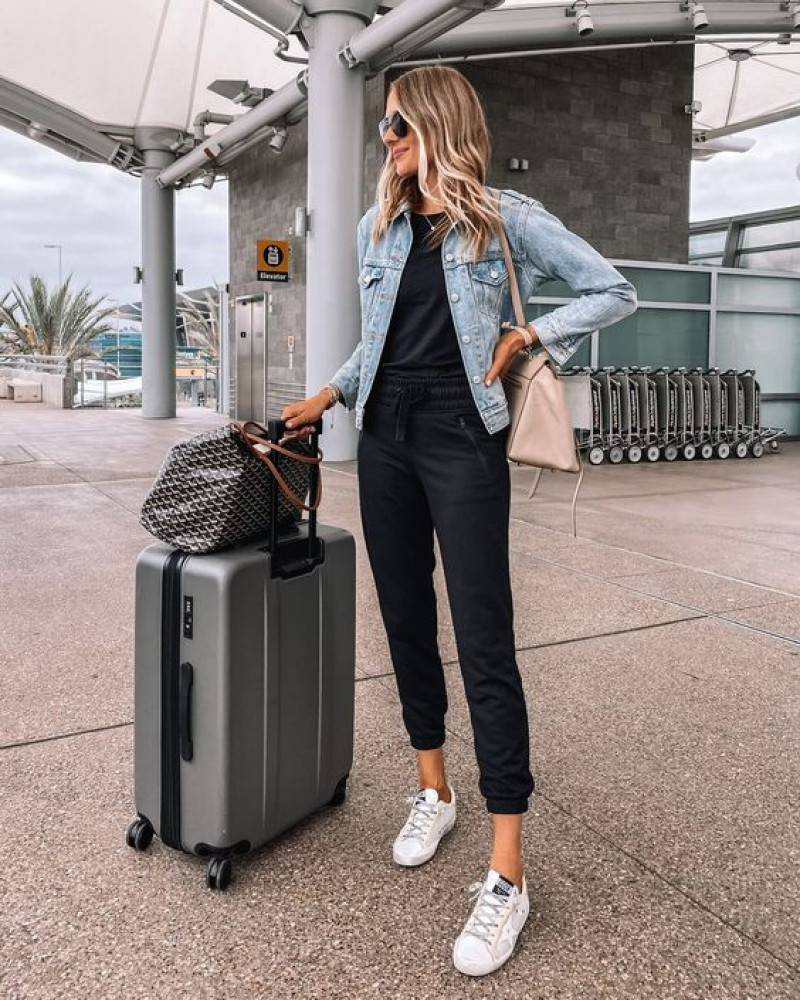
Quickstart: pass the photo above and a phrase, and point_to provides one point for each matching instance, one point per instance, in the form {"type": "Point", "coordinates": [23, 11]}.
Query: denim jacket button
{"type": "Point", "coordinates": [493, 274]}
{"type": "Point", "coordinates": [448, 256]}
{"type": "Point", "coordinates": [476, 378]}
{"type": "Point", "coordinates": [465, 338]}
{"type": "Point", "coordinates": [454, 297]}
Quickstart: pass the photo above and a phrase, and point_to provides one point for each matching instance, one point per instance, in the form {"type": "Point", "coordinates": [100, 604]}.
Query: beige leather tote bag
{"type": "Point", "coordinates": [541, 433]}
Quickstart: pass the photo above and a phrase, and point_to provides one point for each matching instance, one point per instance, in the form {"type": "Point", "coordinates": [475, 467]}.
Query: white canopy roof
{"type": "Point", "coordinates": [106, 67]}
{"type": "Point", "coordinates": [746, 82]}
{"type": "Point", "coordinates": [125, 63]}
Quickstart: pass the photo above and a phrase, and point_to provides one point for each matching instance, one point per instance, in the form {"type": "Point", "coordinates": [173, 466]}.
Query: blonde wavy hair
{"type": "Point", "coordinates": [443, 109]}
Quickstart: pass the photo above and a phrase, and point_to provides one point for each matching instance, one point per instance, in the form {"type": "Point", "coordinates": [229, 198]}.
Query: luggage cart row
{"type": "Point", "coordinates": [644, 413]}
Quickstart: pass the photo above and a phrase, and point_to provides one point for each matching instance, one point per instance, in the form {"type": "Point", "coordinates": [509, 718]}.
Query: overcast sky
{"type": "Point", "coordinates": [93, 211]}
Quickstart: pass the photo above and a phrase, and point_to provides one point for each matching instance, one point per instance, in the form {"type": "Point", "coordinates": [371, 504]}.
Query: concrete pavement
{"type": "Point", "coordinates": [664, 842]}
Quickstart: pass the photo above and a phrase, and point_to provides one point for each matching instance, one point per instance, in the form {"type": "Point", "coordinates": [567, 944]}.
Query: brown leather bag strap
{"type": "Point", "coordinates": [513, 284]}
{"type": "Point", "coordinates": [285, 486]}
{"type": "Point", "coordinates": [251, 440]}
{"type": "Point", "coordinates": [258, 439]}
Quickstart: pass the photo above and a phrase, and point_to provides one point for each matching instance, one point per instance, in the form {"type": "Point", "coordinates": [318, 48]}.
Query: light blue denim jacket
{"type": "Point", "coordinates": [541, 248]}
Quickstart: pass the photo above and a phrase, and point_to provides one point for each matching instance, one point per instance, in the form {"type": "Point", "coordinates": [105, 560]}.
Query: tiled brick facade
{"type": "Point", "coordinates": [608, 144]}
{"type": "Point", "coordinates": [607, 139]}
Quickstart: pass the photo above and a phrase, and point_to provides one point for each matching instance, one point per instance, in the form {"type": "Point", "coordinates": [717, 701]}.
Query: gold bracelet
{"type": "Point", "coordinates": [333, 392]}
{"type": "Point", "coordinates": [527, 336]}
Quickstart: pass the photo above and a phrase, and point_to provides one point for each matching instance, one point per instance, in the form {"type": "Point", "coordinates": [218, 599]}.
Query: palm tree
{"type": "Point", "coordinates": [61, 322]}
{"type": "Point", "coordinates": [202, 323]}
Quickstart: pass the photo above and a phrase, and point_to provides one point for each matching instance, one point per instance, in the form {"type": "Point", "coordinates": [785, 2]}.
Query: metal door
{"type": "Point", "coordinates": [250, 320]}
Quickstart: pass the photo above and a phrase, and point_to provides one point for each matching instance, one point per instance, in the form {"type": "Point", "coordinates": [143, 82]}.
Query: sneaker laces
{"type": "Point", "coordinates": [483, 920]}
{"type": "Point", "coordinates": [422, 815]}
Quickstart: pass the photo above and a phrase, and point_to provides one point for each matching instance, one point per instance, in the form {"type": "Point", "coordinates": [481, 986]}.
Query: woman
{"type": "Point", "coordinates": [425, 384]}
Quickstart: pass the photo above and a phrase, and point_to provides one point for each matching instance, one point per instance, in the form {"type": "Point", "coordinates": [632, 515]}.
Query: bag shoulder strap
{"type": "Point", "coordinates": [513, 284]}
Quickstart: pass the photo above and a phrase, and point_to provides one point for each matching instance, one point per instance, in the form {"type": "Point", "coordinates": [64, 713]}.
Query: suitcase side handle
{"type": "Point", "coordinates": [185, 710]}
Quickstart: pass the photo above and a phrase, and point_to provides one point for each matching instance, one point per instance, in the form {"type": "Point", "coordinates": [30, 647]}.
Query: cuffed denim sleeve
{"type": "Point", "coordinates": [348, 377]}
{"type": "Point", "coordinates": [604, 295]}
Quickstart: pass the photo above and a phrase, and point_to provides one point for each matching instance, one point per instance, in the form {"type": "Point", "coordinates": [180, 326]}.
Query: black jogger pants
{"type": "Point", "coordinates": [427, 463]}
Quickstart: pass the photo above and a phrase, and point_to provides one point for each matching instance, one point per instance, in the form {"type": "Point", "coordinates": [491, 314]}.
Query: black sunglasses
{"type": "Point", "coordinates": [396, 123]}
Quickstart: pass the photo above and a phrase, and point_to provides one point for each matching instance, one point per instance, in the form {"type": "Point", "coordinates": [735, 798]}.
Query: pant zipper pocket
{"type": "Point", "coordinates": [471, 435]}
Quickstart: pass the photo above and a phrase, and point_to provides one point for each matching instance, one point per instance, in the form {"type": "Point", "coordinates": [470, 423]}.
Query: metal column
{"type": "Point", "coordinates": [224, 369]}
{"type": "Point", "coordinates": [158, 288]}
{"type": "Point", "coordinates": [335, 184]}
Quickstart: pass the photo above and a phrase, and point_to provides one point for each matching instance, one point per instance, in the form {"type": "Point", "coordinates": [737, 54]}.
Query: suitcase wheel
{"type": "Point", "coordinates": [339, 794]}
{"type": "Point", "coordinates": [139, 835]}
{"type": "Point", "coordinates": [218, 874]}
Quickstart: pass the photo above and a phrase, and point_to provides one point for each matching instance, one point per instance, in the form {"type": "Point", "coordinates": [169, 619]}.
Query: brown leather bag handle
{"type": "Point", "coordinates": [248, 440]}
{"type": "Point", "coordinates": [244, 424]}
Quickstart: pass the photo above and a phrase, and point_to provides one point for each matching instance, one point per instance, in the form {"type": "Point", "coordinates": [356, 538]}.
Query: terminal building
{"type": "Point", "coordinates": [595, 108]}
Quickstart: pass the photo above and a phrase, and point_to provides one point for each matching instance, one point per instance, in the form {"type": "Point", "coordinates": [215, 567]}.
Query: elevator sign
{"type": "Point", "coordinates": [273, 260]}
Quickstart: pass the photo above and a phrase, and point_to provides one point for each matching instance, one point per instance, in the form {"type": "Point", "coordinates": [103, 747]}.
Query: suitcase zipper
{"type": "Point", "coordinates": [170, 700]}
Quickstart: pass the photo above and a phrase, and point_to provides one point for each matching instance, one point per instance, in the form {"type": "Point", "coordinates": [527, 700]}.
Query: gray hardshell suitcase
{"type": "Point", "coordinates": [244, 690]}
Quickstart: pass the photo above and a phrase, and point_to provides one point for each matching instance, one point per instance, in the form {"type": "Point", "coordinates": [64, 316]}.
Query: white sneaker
{"type": "Point", "coordinates": [490, 934]}
{"type": "Point", "coordinates": [429, 820]}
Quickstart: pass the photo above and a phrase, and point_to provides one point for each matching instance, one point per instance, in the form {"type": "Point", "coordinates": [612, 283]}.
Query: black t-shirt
{"type": "Point", "coordinates": [421, 340]}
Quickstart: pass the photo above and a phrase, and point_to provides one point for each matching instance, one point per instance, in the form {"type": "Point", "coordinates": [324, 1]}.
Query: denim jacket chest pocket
{"type": "Point", "coordinates": [489, 281]}
{"type": "Point", "coordinates": [370, 282]}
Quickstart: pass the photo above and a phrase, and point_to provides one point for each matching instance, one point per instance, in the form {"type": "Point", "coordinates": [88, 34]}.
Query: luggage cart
{"type": "Point", "coordinates": [605, 399]}
{"type": "Point", "coordinates": [638, 413]}
{"type": "Point", "coordinates": [735, 431]}
{"type": "Point", "coordinates": [720, 436]}
{"type": "Point", "coordinates": [590, 439]}
{"type": "Point", "coordinates": [612, 404]}
{"type": "Point", "coordinates": [647, 405]}
{"type": "Point", "coordinates": [629, 415]}
{"type": "Point", "coordinates": [701, 401]}
{"type": "Point", "coordinates": [757, 437]}
{"type": "Point", "coordinates": [667, 394]}
{"type": "Point", "coordinates": [685, 403]}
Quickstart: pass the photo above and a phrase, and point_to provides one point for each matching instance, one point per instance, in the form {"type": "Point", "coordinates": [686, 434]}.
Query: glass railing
{"type": "Point", "coordinates": [113, 383]}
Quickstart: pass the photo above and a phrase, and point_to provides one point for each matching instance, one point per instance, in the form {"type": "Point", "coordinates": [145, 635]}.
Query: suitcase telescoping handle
{"type": "Point", "coordinates": [275, 431]}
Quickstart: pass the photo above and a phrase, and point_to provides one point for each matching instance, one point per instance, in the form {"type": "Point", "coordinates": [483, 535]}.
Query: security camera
{"type": "Point", "coordinates": [278, 140]}
{"type": "Point", "coordinates": [699, 19]}
{"type": "Point", "coordinates": [585, 23]}
{"type": "Point", "coordinates": [698, 12]}
{"type": "Point", "coordinates": [583, 19]}
{"type": "Point", "coordinates": [36, 130]}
